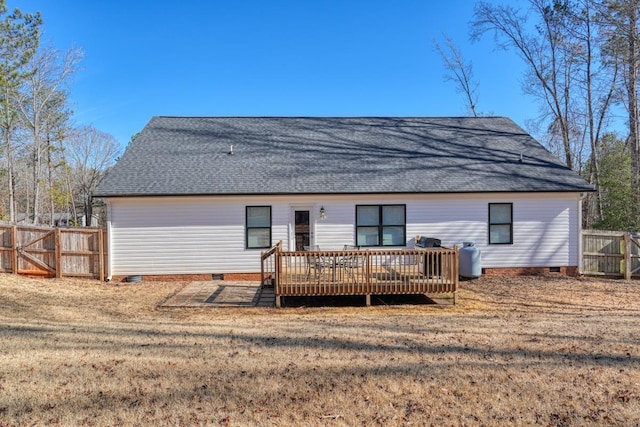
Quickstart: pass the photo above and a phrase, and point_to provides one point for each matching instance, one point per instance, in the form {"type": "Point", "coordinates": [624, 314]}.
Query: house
{"type": "Point", "coordinates": [205, 195]}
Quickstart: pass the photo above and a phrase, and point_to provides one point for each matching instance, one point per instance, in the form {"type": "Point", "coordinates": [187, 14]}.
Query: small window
{"type": "Point", "coordinates": [500, 223]}
{"type": "Point", "coordinates": [258, 227]}
{"type": "Point", "coordinates": [380, 225]}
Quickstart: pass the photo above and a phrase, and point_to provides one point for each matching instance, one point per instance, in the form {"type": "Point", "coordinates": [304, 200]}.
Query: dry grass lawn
{"type": "Point", "coordinates": [523, 351]}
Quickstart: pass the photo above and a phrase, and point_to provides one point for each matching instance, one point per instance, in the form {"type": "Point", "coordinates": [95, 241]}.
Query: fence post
{"type": "Point", "coordinates": [627, 256]}
{"type": "Point", "coordinates": [14, 249]}
{"type": "Point", "coordinates": [58, 252]}
{"type": "Point", "coordinates": [623, 262]}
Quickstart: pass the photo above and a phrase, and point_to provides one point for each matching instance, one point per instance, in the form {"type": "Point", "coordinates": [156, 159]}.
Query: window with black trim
{"type": "Point", "coordinates": [381, 225]}
{"type": "Point", "coordinates": [258, 227]}
{"type": "Point", "coordinates": [500, 223]}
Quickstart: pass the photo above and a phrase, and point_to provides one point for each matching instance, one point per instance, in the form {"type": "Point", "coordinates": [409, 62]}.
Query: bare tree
{"type": "Point", "coordinates": [597, 78]}
{"type": "Point", "coordinates": [623, 19]}
{"type": "Point", "coordinates": [459, 72]}
{"type": "Point", "coordinates": [55, 129]}
{"type": "Point", "coordinates": [50, 72]}
{"type": "Point", "coordinates": [548, 57]}
{"type": "Point", "coordinates": [89, 153]}
{"type": "Point", "coordinates": [19, 39]}
{"type": "Point", "coordinates": [569, 69]}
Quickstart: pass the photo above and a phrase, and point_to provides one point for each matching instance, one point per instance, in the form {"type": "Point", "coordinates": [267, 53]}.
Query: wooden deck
{"type": "Point", "coordinates": [360, 272]}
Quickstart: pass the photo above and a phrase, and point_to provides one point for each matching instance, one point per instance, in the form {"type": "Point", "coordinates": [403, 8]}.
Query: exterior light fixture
{"type": "Point", "coordinates": [323, 213]}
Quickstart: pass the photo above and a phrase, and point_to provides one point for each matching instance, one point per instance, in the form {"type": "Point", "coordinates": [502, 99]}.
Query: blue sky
{"type": "Point", "coordinates": [272, 58]}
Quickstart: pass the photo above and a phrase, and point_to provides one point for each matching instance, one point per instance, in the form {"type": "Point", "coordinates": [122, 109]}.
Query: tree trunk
{"type": "Point", "coordinates": [52, 208]}
{"type": "Point", "coordinates": [7, 125]}
{"type": "Point", "coordinates": [594, 168]}
{"type": "Point", "coordinates": [10, 179]}
{"type": "Point", "coordinates": [632, 98]}
{"type": "Point", "coordinates": [37, 160]}
{"type": "Point", "coordinates": [88, 210]}
{"type": "Point", "coordinates": [72, 202]}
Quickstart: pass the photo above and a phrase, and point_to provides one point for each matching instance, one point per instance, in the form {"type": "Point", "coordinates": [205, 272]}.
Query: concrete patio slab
{"type": "Point", "coordinates": [222, 294]}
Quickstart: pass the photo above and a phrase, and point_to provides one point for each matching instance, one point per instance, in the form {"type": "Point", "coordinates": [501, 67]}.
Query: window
{"type": "Point", "coordinates": [258, 227]}
{"type": "Point", "coordinates": [380, 225]}
{"type": "Point", "coordinates": [500, 223]}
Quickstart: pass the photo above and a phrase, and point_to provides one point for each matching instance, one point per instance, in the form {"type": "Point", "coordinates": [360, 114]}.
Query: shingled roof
{"type": "Point", "coordinates": [329, 155]}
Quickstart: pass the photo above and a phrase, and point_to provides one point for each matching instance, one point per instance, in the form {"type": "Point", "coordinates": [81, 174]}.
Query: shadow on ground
{"type": "Point", "coordinates": [357, 301]}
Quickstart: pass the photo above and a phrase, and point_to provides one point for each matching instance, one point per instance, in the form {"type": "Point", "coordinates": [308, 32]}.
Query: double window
{"type": "Point", "coordinates": [500, 223]}
{"type": "Point", "coordinates": [381, 225]}
{"type": "Point", "coordinates": [258, 227]}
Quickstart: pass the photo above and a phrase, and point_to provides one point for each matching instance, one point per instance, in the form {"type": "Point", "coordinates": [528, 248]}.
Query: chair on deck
{"type": "Point", "coordinates": [351, 263]}
{"type": "Point", "coordinates": [315, 262]}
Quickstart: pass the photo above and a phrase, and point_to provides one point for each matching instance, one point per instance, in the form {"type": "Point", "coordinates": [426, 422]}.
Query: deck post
{"type": "Point", "coordinates": [262, 269]}
{"type": "Point", "coordinates": [368, 300]}
{"type": "Point", "coordinates": [456, 273]}
{"type": "Point", "coordinates": [278, 271]}
{"type": "Point", "coordinates": [367, 271]}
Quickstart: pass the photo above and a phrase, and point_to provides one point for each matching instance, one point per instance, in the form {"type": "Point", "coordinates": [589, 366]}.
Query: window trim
{"type": "Point", "coordinates": [247, 228]}
{"type": "Point", "coordinates": [381, 225]}
{"type": "Point", "coordinates": [510, 224]}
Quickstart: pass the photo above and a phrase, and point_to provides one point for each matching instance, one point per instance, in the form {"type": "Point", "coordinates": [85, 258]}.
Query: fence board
{"type": "Point", "coordinates": [35, 247]}
{"type": "Point", "coordinates": [610, 253]}
{"type": "Point", "coordinates": [59, 252]}
{"type": "Point", "coordinates": [6, 254]}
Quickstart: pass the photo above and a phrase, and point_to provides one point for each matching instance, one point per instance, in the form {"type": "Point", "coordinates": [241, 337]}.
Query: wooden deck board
{"type": "Point", "coordinates": [380, 281]}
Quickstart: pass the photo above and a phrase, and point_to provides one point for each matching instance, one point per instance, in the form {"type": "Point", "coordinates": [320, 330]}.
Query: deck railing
{"type": "Point", "coordinates": [268, 268]}
{"type": "Point", "coordinates": [361, 272]}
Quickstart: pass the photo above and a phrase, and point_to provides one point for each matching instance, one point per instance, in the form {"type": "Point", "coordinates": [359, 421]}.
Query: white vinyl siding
{"type": "Point", "coordinates": [175, 235]}
{"type": "Point", "coordinates": [201, 235]}
{"type": "Point", "coordinates": [545, 227]}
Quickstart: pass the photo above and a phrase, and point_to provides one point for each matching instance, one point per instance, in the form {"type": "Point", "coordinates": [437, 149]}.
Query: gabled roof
{"type": "Point", "coordinates": [322, 155]}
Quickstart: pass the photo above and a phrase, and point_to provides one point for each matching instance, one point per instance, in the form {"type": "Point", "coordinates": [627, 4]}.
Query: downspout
{"type": "Point", "coordinates": [580, 258]}
{"type": "Point", "coordinates": [109, 242]}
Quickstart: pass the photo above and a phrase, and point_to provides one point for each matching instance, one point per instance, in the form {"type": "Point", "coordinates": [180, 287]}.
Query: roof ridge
{"type": "Point", "coordinates": [330, 117]}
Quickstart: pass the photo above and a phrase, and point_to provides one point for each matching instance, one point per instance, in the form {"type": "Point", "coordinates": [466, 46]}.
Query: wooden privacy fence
{"type": "Point", "coordinates": [53, 252]}
{"type": "Point", "coordinates": [360, 272]}
{"type": "Point", "coordinates": [611, 253]}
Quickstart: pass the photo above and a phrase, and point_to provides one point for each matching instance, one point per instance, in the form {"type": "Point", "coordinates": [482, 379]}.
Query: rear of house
{"type": "Point", "coordinates": [207, 195]}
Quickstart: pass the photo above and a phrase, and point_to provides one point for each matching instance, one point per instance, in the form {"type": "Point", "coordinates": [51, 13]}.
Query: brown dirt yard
{"type": "Point", "coordinates": [518, 351]}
